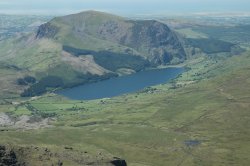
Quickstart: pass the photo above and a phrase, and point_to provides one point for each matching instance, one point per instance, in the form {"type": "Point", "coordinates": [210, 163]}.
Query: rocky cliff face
{"type": "Point", "coordinates": [157, 40]}
{"type": "Point", "coordinates": [8, 157]}
{"type": "Point", "coordinates": [47, 30]}
{"type": "Point", "coordinates": [153, 39]}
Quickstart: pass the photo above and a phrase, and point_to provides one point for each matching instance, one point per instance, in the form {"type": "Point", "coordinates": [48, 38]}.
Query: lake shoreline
{"type": "Point", "coordinates": [122, 84]}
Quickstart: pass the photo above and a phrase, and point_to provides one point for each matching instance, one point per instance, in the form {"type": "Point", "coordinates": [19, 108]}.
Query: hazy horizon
{"type": "Point", "coordinates": [122, 7]}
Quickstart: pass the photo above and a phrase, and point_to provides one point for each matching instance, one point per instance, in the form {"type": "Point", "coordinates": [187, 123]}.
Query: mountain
{"type": "Point", "coordinates": [87, 47]}
{"type": "Point", "coordinates": [99, 31]}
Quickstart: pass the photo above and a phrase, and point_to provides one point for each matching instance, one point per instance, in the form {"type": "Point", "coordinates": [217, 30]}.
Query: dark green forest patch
{"type": "Point", "coordinates": [111, 60]}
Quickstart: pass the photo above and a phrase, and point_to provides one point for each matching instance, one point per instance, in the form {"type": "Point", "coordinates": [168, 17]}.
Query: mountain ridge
{"type": "Point", "coordinates": [148, 38]}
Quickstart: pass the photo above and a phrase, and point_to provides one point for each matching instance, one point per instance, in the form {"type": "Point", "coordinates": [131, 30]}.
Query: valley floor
{"type": "Point", "coordinates": [201, 118]}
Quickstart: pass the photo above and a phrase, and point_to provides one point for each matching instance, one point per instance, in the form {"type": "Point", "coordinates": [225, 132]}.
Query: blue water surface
{"type": "Point", "coordinates": [121, 85]}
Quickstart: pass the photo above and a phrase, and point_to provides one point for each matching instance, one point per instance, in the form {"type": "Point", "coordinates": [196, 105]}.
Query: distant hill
{"type": "Point", "coordinates": [100, 31]}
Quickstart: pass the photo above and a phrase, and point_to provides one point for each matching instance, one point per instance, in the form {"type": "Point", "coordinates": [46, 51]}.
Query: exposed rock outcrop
{"type": "Point", "coordinates": [119, 162]}
{"type": "Point", "coordinates": [152, 38]}
{"type": "Point", "coordinates": [8, 157]}
{"type": "Point", "coordinates": [47, 30]}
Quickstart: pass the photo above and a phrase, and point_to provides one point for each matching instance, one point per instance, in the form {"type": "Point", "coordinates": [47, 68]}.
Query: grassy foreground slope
{"type": "Point", "coordinates": [203, 123]}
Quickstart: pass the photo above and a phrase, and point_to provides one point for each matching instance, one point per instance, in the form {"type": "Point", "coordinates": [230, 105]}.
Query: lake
{"type": "Point", "coordinates": [121, 85]}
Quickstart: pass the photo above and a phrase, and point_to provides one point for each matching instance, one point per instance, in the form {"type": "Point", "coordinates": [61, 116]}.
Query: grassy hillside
{"type": "Point", "coordinates": [211, 46]}
{"type": "Point", "coordinates": [202, 118]}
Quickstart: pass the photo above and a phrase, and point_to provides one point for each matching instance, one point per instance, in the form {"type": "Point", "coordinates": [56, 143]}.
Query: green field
{"type": "Point", "coordinates": [209, 105]}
